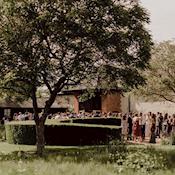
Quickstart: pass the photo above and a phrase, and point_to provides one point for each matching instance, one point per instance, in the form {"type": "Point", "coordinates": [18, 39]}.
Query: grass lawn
{"type": "Point", "coordinates": [155, 146]}
{"type": "Point", "coordinates": [87, 160]}
{"type": "Point", "coordinates": [40, 167]}
{"type": "Point", "coordinates": [6, 148]}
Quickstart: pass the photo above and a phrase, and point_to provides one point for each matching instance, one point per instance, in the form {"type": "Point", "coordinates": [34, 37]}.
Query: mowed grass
{"type": "Point", "coordinates": [103, 160]}
{"type": "Point", "coordinates": [6, 148]}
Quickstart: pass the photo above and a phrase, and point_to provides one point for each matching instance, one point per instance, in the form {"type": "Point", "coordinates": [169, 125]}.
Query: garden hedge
{"type": "Point", "coordinates": [99, 120]}
{"type": "Point", "coordinates": [66, 134]}
{"type": "Point", "coordinates": [2, 132]}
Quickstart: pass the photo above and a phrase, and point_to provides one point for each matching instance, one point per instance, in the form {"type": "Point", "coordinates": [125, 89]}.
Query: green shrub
{"type": "Point", "coordinates": [117, 151]}
{"type": "Point", "coordinates": [165, 141]}
{"type": "Point", "coordinates": [172, 139]}
{"type": "Point", "coordinates": [168, 140]}
{"type": "Point", "coordinates": [62, 133]}
{"type": "Point", "coordinates": [20, 134]}
{"type": "Point", "coordinates": [98, 120]}
{"type": "Point", "coordinates": [65, 120]}
{"type": "Point", "coordinates": [2, 132]}
{"type": "Point", "coordinates": [142, 161]}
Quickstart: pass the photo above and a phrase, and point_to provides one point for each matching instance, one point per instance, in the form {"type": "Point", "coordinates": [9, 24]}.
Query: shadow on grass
{"type": "Point", "coordinates": [100, 154]}
{"type": "Point", "coordinates": [71, 153]}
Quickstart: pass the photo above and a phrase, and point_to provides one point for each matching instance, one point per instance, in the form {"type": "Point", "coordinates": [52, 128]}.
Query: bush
{"type": "Point", "coordinates": [144, 162]}
{"type": "Point", "coordinates": [117, 151]}
{"type": "Point", "coordinates": [165, 141]}
{"type": "Point", "coordinates": [172, 139]}
{"type": "Point", "coordinates": [62, 133]}
{"type": "Point", "coordinates": [2, 132]}
{"type": "Point", "coordinates": [98, 120]}
{"type": "Point", "coordinates": [20, 134]}
{"type": "Point", "coordinates": [168, 140]}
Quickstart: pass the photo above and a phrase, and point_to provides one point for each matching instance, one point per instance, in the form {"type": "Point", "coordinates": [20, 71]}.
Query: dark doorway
{"type": "Point", "coordinates": [91, 104]}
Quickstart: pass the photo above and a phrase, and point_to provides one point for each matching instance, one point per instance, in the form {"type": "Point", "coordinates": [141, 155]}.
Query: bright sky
{"type": "Point", "coordinates": [162, 15]}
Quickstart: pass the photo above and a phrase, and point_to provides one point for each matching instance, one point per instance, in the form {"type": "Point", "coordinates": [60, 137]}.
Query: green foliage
{"type": "Point", "coordinates": [169, 140]}
{"type": "Point", "coordinates": [20, 134]}
{"type": "Point", "coordinates": [59, 166]}
{"type": "Point", "coordinates": [117, 151]}
{"type": "Point", "coordinates": [173, 139]}
{"type": "Point", "coordinates": [56, 43]}
{"type": "Point", "coordinates": [143, 160]}
{"type": "Point", "coordinates": [115, 158]}
{"type": "Point", "coordinates": [165, 141]}
{"type": "Point", "coordinates": [2, 132]}
{"type": "Point", "coordinates": [87, 94]}
{"type": "Point", "coordinates": [74, 134]}
{"type": "Point", "coordinates": [43, 42]}
{"type": "Point", "coordinates": [161, 74]}
{"type": "Point", "coordinates": [99, 120]}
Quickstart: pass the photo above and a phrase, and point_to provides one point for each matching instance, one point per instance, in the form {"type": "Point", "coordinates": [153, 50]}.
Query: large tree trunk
{"type": "Point", "coordinates": [40, 120]}
{"type": "Point", "coordinates": [40, 139]}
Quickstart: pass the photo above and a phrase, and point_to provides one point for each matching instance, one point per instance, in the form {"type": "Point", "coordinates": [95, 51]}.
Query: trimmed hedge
{"type": "Point", "coordinates": [2, 132]}
{"type": "Point", "coordinates": [102, 121]}
{"type": "Point", "coordinates": [66, 134]}
{"type": "Point", "coordinates": [20, 133]}
{"type": "Point", "coordinates": [98, 120]}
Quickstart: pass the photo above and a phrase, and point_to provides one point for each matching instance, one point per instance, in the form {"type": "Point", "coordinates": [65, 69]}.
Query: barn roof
{"type": "Point", "coordinates": [28, 104]}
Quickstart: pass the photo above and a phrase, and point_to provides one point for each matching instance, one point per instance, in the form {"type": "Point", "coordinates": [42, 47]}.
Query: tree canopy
{"type": "Point", "coordinates": [58, 43]}
{"type": "Point", "coordinates": [160, 83]}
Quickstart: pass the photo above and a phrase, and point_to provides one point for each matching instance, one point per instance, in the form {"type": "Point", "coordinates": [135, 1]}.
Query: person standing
{"type": "Point", "coordinates": [136, 128]}
{"type": "Point", "coordinates": [153, 129]}
{"type": "Point", "coordinates": [161, 124]}
{"type": "Point", "coordinates": [148, 125]}
{"type": "Point", "coordinates": [173, 124]}
{"type": "Point", "coordinates": [165, 125]}
{"type": "Point", "coordinates": [170, 122]}
{"type": "Point", "coordinates": [130, 124]}
{"type": "Point", "coordinates": [143, 123]}
{"type": "Point", "coordinates": [158, 125]}
{"type": "Point", "coordinates": [124, 126]}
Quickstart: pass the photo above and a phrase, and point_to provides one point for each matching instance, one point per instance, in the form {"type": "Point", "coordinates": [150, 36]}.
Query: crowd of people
{"type": "Point", "coordinates": [23, 116]}
{"type": "Point", "coordinates": [67, 115]}
{"type": "Point", "coordinates": [19, 116]}
{"type": "Point", "coordinates": [139, 126]}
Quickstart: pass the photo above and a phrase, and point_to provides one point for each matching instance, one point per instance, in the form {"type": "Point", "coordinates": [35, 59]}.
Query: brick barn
{"type": "Point", "coordinates": [109, 102]}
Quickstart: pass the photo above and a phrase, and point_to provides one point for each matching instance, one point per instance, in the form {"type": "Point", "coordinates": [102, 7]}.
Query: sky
{"type": "Point", "coordinates": [162, 16]}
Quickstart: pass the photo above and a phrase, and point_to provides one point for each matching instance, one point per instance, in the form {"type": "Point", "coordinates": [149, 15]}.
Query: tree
{"type": "Point", "coordinates": [160, 83]}
{"type": "Point", "coordinates": [58, 43]}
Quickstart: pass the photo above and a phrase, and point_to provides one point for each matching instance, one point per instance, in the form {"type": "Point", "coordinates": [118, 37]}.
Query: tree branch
{"type": "Point", "coordinates": [162, 96]}
{"type": "Point", "coordinates": [19, 90]}
{"type": "Point", "coordinates": [57, 88]}
{"type": "Point", "coordinates": [35, 105]}
{"type": "Point", "coordinates": [47, 83]}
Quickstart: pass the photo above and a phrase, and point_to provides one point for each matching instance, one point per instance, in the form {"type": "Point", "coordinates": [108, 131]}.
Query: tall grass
{"type": "Point", "coordinates": [43, 167]}
{"type": "Point", "coordinates": [114, 159]}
